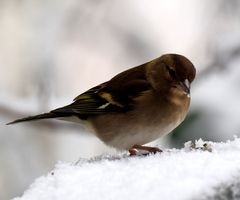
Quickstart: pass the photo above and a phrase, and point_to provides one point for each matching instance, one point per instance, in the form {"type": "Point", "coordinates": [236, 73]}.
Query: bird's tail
{"type": "Point", "coordinates": [38, 117]}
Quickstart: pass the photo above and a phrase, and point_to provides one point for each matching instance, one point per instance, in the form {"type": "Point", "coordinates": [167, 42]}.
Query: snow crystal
{"type": "Point", "coordinates": [174, 174]}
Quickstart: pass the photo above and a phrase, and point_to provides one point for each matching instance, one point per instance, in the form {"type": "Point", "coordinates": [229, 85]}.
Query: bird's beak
{"type": "Point", "coordinates": [185, 86]}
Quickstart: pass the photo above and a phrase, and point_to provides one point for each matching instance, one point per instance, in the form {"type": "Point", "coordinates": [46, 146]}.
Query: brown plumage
{"type": "Point", "coordinates": [136, 106]}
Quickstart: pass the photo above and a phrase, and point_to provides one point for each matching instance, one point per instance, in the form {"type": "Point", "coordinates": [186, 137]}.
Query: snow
{"type": "Point", "coordinates": [187, 173]}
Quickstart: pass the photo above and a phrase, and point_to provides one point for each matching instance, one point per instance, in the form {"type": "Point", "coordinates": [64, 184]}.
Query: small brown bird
{"type": "Point", "coordinates": [136, 106]}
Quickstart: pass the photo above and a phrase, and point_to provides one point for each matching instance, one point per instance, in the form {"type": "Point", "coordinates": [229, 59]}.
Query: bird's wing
{"type": "Point", "coordinates": [114, 96]}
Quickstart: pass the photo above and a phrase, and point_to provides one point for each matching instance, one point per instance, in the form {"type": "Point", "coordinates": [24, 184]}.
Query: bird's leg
{"type": "Point", "coordinates": [137, 150]}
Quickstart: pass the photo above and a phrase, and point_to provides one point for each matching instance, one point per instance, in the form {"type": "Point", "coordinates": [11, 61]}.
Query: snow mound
{"type": "Point", "coordinates": [188, 173]}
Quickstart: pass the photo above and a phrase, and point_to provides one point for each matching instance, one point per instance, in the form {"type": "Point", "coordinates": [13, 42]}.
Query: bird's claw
{"type": "Point", "coordinates": [138, 150]}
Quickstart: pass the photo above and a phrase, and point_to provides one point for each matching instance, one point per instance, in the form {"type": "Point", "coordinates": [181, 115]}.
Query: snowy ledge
{"type": "Point", "coordinates": [175, 174]}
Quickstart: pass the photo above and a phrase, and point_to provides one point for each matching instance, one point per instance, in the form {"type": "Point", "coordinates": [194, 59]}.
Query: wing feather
{"type": "Point", "coordinates": [114, 96]}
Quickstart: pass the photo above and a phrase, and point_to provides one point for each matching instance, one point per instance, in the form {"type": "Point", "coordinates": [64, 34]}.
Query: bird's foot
{"type": "Point", "coordinates": [139, 150]}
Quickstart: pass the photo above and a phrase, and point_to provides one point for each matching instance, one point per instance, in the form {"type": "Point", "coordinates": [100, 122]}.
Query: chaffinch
{"type": "Point", "coordinates": [136, 106]}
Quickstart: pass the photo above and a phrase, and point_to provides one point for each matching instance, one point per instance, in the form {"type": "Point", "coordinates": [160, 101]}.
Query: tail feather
{"type": "Point", "coordinates": [38, 117]}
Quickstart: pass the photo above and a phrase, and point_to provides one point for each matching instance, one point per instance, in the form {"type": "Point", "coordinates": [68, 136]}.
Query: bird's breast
{"type": "Point", "coordinates": [150, 120]}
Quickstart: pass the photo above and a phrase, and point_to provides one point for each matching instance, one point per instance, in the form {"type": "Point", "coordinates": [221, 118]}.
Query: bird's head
{"type": "Point", "coordinates": [171, 71]}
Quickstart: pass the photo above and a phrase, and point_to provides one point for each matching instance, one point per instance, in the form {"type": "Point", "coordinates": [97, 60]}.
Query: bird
{"type": "Point", "coordinates": [135, 107]}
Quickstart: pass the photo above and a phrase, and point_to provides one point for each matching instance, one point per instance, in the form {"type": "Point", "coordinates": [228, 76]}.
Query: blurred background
{"type": "Point", "coordinates": [51, 51]}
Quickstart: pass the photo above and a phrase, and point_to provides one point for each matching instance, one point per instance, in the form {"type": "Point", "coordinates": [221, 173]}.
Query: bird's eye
{"type": "Point", "coordinates": [172, 72]}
